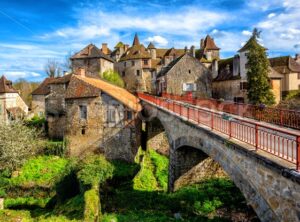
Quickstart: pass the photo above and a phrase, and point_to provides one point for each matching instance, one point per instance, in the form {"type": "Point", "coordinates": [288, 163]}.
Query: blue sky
{"type": "Point", "coordinates": [31, 32]}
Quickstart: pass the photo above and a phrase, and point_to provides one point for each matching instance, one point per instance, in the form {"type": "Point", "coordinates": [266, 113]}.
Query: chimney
{"type": "Point", "coordinates": [126, 46]}
{"type": "Point", "coordinates": [215, 68]}
{"type": "Point", "coordinates": [202, 44]}
{"type": "Point", "coordinates": [80, 72]}
{"type": "Point", "coordinates": [297, 58]}
{"type": "Point", "coordinates": [104, 48]}
{"type": "Point", "coordinates": [193, 51]}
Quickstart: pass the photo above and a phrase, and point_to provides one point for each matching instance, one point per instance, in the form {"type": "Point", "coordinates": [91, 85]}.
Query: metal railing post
{"type": "Point", "coordinates": [229, 130]}
{"type": "Point", "coordinates": [298, 154]}
{"type": "Point", "coordinates": [256, 136]}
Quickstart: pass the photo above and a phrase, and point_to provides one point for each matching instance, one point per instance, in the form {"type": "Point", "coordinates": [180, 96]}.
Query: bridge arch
{"type": "Point", "coordinates": [271, 189]}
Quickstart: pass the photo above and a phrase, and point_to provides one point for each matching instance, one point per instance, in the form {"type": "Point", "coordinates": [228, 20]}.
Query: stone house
{"type": "Point", "coordinates": [12, 105]}
{"type": "Point", "coordinates": [290, 69]}
{"type": "Point", "coordinates": [186, 74]}
{"type": "Point", "coordinates": [230, 80]}
{"type": "Point", "coordinates": [209, 52]}
{"type": "Point", "coordinates": [139, 65]}
{"type": "Point", "coordinates": [39, 97]}
{"type": "Point", "coordinates": [93, 116]}
{"type": "Point", "coordinates": [93, 60]}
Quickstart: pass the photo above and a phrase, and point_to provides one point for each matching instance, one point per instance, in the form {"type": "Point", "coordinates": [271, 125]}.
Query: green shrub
{"type": "Point", "coordinates": [124, 169]}
{"type": "Point", "coordinates": [95, 169]}
{"type": "Point", "coordinates": [36, 121]}
{"type": "Point", "coordinates": [56, 148]}
{"type": "Point", "coordinates": [207, 206]}
{"type": "Point", "coordinates": [292, 95]}
{"type": "Point", "coordinates": [113, 77]}
{"type": "Point", "coordinates": [92, 205]}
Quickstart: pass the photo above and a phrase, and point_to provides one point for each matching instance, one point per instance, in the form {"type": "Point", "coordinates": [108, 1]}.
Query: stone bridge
{"type": "Point", "coordinates": [270, 187]}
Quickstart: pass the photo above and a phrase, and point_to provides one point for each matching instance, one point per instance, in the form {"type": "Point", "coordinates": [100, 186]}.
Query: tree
{"type": "Point", "coordinates": [17, 143]}
{"type": "Point", "coordinates": [25, 89]}
{"type": "Point", "coordinates": [67, 65]}
{"type": "Point", "coordinates": [259, 88]}
{"type": "Point", "coordinates": [52, 68]}
{"type": "Point", "coordinates": [113, 77]}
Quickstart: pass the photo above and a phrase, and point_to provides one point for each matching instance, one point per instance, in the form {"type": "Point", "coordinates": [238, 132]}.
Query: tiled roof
{"type": "Point", "coordinates": [284, 64]}
{"type": "Point", "coordinates": [166, 69]}
{"type": "Point", "coordinates": [43, 88]}
{"type": "Point", "coordinates": [160, 53]}
{"type": "Point", "coordinates": [136, 52]}
{"type": "Point", "coordinates": [62, 80]}
{"type": "Point", "coordinates": [91, 51]}
{"type": "Point", "coordinates": [226, 70]}
{"type": "Point", "coordinates": [151, 46]}
{"type": "Point", "coordinates": [89, 87]}
{"type": "Point", "coordinates": [15, 112]}
{"type": "Point", "coordinates": [6, 86]}
{"type": "Point", "coordinates": [136, 40]}
{"type": "Point", "coordinates": [210, 44]}
{"type": "Point", "coordinates": [248, 44]}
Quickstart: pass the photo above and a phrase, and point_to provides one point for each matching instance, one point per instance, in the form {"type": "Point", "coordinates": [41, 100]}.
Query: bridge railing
{"type": "Point", "coordinates": [281, 117]}
{"type": "Point", "coordinates": [281, 143]}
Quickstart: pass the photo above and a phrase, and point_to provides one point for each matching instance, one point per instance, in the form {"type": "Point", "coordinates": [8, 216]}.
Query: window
{"type": "Point", "coordinates": [83, 131]}
{"type": "Point", "coordinates": [138, 72]}
{"type": "Point", "coordinates": [124, 64]}
{"type": "Point", "coordinates": [189, 71]}
{"type": "Point", "coordinates": [132, 63]}
{"type": "Point", "coordinates": [189, 87]}
{"type": "Point", "coordinates": [146, 62]}
{"type": "Point", "coordinates": [128, 115]}
{"type": "Point", "coordinates": [83, 112]}
{"type": "Point", "coordinates": [243, 86]}
{"type": "Point", "coordinates": [299, 75]}
{"type": "Point", "coordinates": [123, 73]}
{"type": "Point", "coordinates": [111, 115]}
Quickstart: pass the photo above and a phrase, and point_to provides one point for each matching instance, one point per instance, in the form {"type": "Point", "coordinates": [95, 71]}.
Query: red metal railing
{"type": "Point", "coordinates": [281, 143]}
{"type": "Point", "coordinates": [281, 117]}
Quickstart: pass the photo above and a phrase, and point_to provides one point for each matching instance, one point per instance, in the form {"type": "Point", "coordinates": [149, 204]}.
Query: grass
{"type": "Point", "coordinates": [161, 164]}
{"type": "Point", "coordinates": [43, 171]}
{"type": "Point", "coordinates": [146, 201]}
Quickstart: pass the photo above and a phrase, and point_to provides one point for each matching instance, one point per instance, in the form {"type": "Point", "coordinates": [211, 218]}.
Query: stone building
{"type": "Point", "coordinates": [93, 60]}
{"type": "Point", "coordinates": [209, 52]}
{"type": "Point", "coordinates": [230, 80]}
{"type": "Point", "coordinates": [39, 97]}
{"type": "Point", "coordinates": [139, 65]}
{"type": "Point", "coordinates": [185, 74]}
{"type": "Point", "coordinates": [290, 69]}
{"type": "Point", "coordinates": [93, 116]}
{"type": "Point", "coordinates": [12, 105]}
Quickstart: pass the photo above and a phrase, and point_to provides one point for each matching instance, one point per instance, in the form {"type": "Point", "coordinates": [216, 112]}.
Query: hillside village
{"type": "Point", "coordinates": [91, 115]}
{"type": "Point", "coordinates": [82, 105]}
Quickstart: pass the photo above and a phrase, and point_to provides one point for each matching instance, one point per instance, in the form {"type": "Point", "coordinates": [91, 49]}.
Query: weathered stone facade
{"type": "Point", "coordinates": [87, 113]}
{"type": "Point", "coordinates": [184, 71]}
{"type": "Point", "coordinates": [12, 105]}
{"type": "Point", "coordinates": [271, 189]}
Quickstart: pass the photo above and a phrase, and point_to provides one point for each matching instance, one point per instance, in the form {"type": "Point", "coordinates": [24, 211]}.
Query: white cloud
{"type": "Point", "coordinates": [97, 23]}
{"type": "Point", "coordinates": [13, 75]}
{"type": "Point", "coordinates": [246, 33]}
{"type": "Point", "coordinates": [271, 15]}
{"type": "Point", "coordinates": [161, 41]}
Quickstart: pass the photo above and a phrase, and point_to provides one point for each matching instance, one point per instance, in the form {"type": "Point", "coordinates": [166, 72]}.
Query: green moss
{"type": "Point", "coordinates": [161, 164]}
{"type": "Point", "coordinates": [145, 179]}
{"type": "Point", "coordinates": [13, 216]}
{"type": "Point", "coordinates": [43, 171]}
{"type": "Point", "coordinates": [92, 205]}
{"type": "Point", "coordinates": [94, 170]}
{"type": "Point", "coordinates": [25, 202]}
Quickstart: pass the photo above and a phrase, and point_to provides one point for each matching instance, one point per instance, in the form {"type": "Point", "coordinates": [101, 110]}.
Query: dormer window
{"type": "Point", "coordinates": [146, 62]}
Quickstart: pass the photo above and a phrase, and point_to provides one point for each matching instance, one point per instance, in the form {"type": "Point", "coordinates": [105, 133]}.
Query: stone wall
{"type": "Point", "coordinates": [271, 189]}
{"type": "Point", "coordinates": [228, 90]}
{"type": "Point", "coordinates": [189, 70]}
{"type": "Point", "coordinates": [38, 105]}
{"type": "Point", "coordinates": [116, 140]}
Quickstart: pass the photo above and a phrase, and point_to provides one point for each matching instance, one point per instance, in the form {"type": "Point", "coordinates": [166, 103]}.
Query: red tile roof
{"type": "Point", "coordinates": [43, 88]}
{"type": "Point", "coordinates": [6, 86]}
{"type": "Point", "coordinates": [80, 87]}
{"type": "Point", "coordinates": [91, 51]}
{"type": "Point", "coordinates": [210, 44]}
